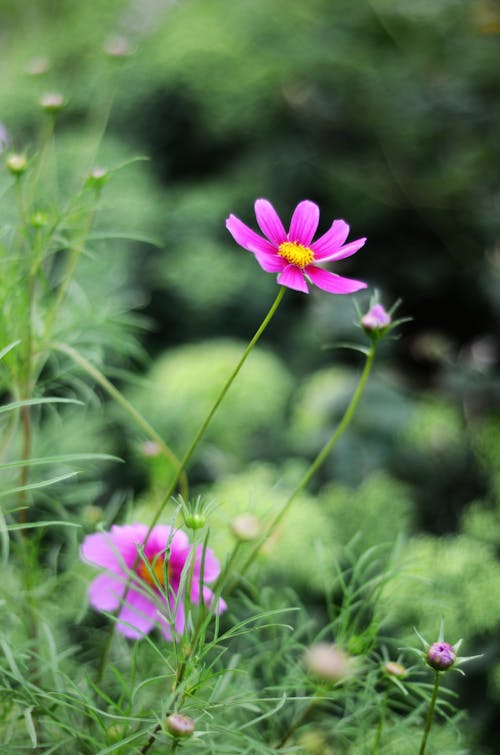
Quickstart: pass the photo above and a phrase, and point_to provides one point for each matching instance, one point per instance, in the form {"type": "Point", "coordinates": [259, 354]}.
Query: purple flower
{"type": "Point", "coordinates": [441, 655]}
{"type": "Point", "coordinates": [168, 555]}
{"type": "Point", "coordinates": [4, 138]}
{"type": "Point", "coordinates": [376, 318]}
{"type": "Point", "coordinates": [294, 255]}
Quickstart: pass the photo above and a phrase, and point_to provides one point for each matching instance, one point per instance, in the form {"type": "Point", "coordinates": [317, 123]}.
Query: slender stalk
{"type": "Point", "coordinates": [318, 461]}
{"type": "Point", "coordinates": [120, 399]}
{"type": "Point", "coordinates": [26, 378]}
{"type": "Point", "coordinates": [181, 670]}
{"type": "Point", "coordinates": [430, 714]}
{"type": "Point", "coordinates": [381, 723]}
{"type": "Point", "coordinates": [20, 201]}
{"type": "Point", "coordinates": [297, 723]}
{"type": "Point", "coordinates": [72, 261]}
{"type": "Point", "coordinates": [187, 456]}
{"type": "Point", "coordinates": [27, 546]}
{"type": "Point", "coordinates": [102, 114]}
{"type": "Point", "coordinates": [24, 471]}
{"type": "Point", "coordinates": [305, 480]}
{"type": "Point", "coordinates": [44, 146]}
{"type": "Point", "coordinates": [151, 740]}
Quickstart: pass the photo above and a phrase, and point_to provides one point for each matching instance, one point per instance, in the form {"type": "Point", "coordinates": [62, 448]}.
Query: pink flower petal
{"type": "Point", "coordinates": [293, 277]}
{"type": "Point", "coordinates": [208, 599]}
{"type": "Point", "coordinates": [211, 566]}
{"type": "Point", "coordinates": [177, 608]}
{"type": "Point", "coordinates": [248, 239]}
{"type": "Point", "coordinates": [343, 252]}
{"type": "Point", "coordinates": [330, 241]}
{"type": "Point", "coordinates": [126, 539]}
{"type": "Point", "coordinates": [116, 550]}
{"type": "Point", "coordinates": [304, 222]}
{"type": "Point", "coordinates": [113, 550]}
{"type": "Point", "coordinates": [176, 565]}
{"type": "Point", "coordinates": [270, 264]}
{"type": "Point", "coordinates": [100, 550]}
{"type": "Point", "coordinates": [165, 628]}
{"type": "Point", "coordinates": [221, 606]}
{"type": "Point", "coordinates": [334, 284]}
{"type": "Point", "coordinates": [269, 222]}
{"type": "Point", "coordinates": [165, 625]}
{"type": "Point", "coordinates": [137, 616]}
{"type": "Point", "coordinates": [105, 592]}
{"type": "Point", "coordinates": [158, 540]}
{"type": "Point", "coordinates": [162, 538]}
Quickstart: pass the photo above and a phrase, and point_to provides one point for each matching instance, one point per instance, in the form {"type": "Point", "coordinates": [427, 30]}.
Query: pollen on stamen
{"type": "Point", "coordinates": [157, 567]}
{"type": "Point", "coordinates": [295, 253]}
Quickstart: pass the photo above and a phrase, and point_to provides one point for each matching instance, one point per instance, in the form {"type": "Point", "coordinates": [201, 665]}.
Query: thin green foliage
{"type": "Point", "coordinates": [232, 650]}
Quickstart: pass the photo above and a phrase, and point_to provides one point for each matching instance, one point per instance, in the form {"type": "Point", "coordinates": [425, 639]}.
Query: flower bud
{"type": "Point", "coordinates": [39, 219]}
{"type": "Point", "coordinates": [313, 743]}
{"type": "Point", "coordinates": [393, 668]}
{"type": "Point", "coordinates": [92, 515]}
{"type": "Point", "coordinates": [117, 47]}
{"type": "Point", "coordinates": [16, 164]}
{"type": "Point", "coordinates": [376, 319]}
{"type": "Point", "coordinates": [441, 655]}
{"type": "Point", "coordinates": [328, 662]}
{"type": "Point", "coordinates": [179, 725]}
{"type": "Point", "coordinates": [52, 102]}
{"type": "Point", "coordinates": [116, 732]}
{"type": "Point", "coordinates": [37, 66]}
{"type": "Point", "coordinates": [150, 448]}
{"type": "Point", "coordinates": [245, 527]}
{"type": "Point", "coordinates": [194, 520]}
{"type": "Point", "coordinates": [96, 180]}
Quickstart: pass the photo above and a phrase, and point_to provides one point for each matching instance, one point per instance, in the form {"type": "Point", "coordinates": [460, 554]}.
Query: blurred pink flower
{"type": "Point", "coordinates": [294, 255]}
{"type": "Point", "coordinates": [167, 553]}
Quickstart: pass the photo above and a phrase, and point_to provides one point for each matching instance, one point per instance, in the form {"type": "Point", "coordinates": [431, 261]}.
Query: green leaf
{"type": "Point", "coordinates": [8, 348]}
{"type": "Point", "coordinates": [34, 525]}
{"type": "Point", "coordinates": [35, 401]}
{"type": "Point", "coordinates": [67, 458]}
{"type": "Point", "coordinates": [107, 235]}
{"type": "Point", "coordinates": [36, 485]}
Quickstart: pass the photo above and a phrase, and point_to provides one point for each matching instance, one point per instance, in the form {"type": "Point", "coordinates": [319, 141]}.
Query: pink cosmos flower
{"type": "Point", "coordinates": [166, 554]}
{"type": "Point", "coordinates": [294, 255]}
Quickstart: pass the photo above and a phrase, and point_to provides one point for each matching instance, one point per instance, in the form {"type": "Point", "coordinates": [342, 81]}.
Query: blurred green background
{"type": "Point", "coordinates": [386, 113]}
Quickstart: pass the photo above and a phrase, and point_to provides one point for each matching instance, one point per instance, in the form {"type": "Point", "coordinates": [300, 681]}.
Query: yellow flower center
{"type": "Point", "coordinates": [156, 567]}
{"type": "Point", "coordinates": [296, 254]}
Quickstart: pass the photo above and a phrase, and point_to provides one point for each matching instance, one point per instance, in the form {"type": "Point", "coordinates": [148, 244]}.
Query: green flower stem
{"type": "Point", "coordinates": [24, 471]}
{"type": "Point", "coordinates": [430, 714]}
{"type": "Point", "coordinates": [178, 699]}
{"type": "Point", "coordinates": [318, 461]}
{"type": "Point", "coordinates": [381, 723]}
{"type": "Point", "coordinates": [101, 121]}
{"type": "Point", "coordinates": [26, 379]}
{"type": "Point", "coordinates": [298, 722]}
{"type": "Point", "coordinates": [187, 457]}
{"type": "Point", "coordinates": [43, 150]}
{"type": "Point", "coordinates": [74, 254]}
{"type": "Point", "coordinates": [99, 116]}
{"type": "Point", "coordinates": [120, 399]}
{"type": "Point", "coordinates": [181, 670]}
{"type": "Point", "coordinates": [151, 740]}
{"type": "Point", "coordinates": [21, 204]}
